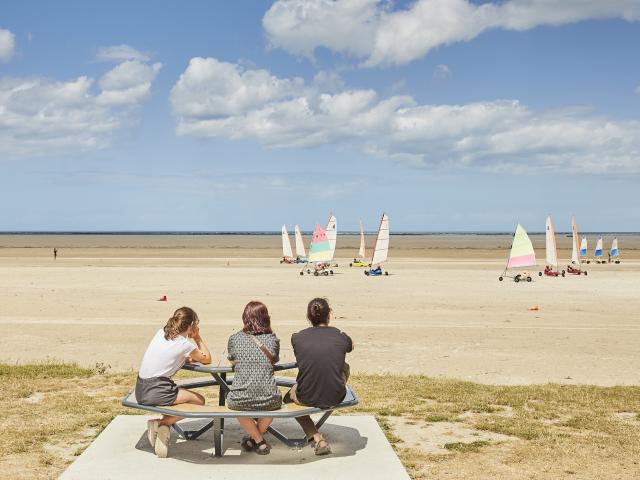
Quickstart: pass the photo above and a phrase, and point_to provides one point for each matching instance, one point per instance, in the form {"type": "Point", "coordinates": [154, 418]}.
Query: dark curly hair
{"type": "Point", "coordinates": [181, 320]}
{"type": "Point", "coordinates": [318, 311]}
{"type": "Point", "coordinates": [256, 319]}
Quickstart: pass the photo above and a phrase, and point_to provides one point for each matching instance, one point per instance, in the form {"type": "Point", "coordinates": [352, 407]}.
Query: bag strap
{"type": "Point", "coordinates": [264, 350]}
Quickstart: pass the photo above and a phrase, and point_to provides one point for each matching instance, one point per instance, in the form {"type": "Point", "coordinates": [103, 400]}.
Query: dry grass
{"type": "Point", "coordinates": [49, 413]}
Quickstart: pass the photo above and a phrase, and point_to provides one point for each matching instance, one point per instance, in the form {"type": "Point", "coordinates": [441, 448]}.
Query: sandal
{"type": "Point", "coordinates": [321, 447]}
{"type": "Point", "coordinates": [248, 444]}
{"type": "Point", "coordinates": [262, 451]}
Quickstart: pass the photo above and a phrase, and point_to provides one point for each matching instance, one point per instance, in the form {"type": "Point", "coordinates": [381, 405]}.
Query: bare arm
{"type": "Point", "coordinates": [201, 353]}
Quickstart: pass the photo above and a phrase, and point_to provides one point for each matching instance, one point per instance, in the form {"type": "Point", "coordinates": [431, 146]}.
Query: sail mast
{"type": "Point", "coordinates": [552, 249]}
{"type": "Point", "coordinates": [286, 243]}
{"type": "Point", "coordinates": [361, 252]}
{"type": "Point", "coordinates": [381, 249]}
{"type": "Point", "coordinates": [300, 251]}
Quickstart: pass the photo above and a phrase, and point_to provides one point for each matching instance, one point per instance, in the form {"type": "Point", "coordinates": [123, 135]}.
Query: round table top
{"type": "Point", "coordinates": [198, 367]}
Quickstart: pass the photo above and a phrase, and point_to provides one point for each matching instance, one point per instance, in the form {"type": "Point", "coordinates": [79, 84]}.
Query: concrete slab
{"type": "Point", "coordinates": [122, 451]}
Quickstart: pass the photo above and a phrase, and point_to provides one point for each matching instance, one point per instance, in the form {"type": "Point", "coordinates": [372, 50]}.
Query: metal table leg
{"type": "Point", "coordinates": [222, 398]}
{"type": "Point", "coordinates": [217, 436]}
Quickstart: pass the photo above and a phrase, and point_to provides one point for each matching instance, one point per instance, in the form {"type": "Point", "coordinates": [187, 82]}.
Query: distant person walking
{"type": "Point", "coordinates": [55, 253]}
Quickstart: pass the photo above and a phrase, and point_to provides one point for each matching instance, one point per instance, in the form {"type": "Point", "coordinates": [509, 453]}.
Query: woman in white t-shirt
{"type": "Point", "coordinates": [169, 350]}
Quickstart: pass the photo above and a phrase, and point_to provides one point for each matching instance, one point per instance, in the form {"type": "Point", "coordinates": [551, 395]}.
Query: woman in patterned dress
{"type": "Point", "coordinates": [253, 351]}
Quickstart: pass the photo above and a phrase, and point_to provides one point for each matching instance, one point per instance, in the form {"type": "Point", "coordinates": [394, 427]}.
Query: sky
{"type": "Point", "coordinates": [450, 115]}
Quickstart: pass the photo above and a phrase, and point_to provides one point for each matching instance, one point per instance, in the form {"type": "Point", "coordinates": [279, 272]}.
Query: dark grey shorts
{"type": "Point", "coordinates": [156, 391]}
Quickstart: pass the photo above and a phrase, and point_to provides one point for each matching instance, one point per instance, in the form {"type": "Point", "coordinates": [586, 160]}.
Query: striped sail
{"type": "Point", "coordinates": [552, 250]}
{"type": "Point", "coordinates": [300, 251]}
{"type": "Point", "coordinates": [361, 250]}
{"type": "Point", "coordinates": [598, 252]}
{"type": "Point", "coordinates": [286, 243]}
{"type": "Point", "coordinates": [575, 251]}
{"type": "Point", "coordinates": [332, 234]}
{"type": "Point", "coordinates": [583, 247]}
{"type": "Point", "coordinates": [382, 242]}
{"type": "Point", "coordinates": [522, 253]}
{"type": "Point", "coordinates": [320, 250]}
{"type": "Point", "coordinates": [614, 248]}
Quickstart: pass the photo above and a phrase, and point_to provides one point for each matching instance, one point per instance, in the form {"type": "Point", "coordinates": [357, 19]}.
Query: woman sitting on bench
{"type": "Point", "coordinates": [253, 351]}
{"type": "Point", "coordinates": [169, 349]}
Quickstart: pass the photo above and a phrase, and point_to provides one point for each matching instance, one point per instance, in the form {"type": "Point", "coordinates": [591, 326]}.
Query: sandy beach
{"type": "Point", "coordinates": [441, 312]}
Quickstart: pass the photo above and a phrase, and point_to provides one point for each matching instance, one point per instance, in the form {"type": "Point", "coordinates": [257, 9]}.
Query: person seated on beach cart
{"type": "Point", "coordinates": [168, 351]}
{"type": "Point", "coordinates": [320, 352]}
{"type": "Point", "coordinates": [253, 351]}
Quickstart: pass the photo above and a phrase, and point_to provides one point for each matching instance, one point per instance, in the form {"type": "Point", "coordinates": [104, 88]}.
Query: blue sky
{"type": "Point", "coordinates": [449, 115]}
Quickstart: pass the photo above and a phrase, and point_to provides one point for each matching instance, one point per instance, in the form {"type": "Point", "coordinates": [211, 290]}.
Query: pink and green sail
{"type": "Point", "coordinates": [320, 250]}
{"type": "Point", "coordinates": [522, 253]}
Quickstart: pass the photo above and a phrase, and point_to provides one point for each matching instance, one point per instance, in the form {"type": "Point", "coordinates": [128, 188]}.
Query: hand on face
{"type": "Point", "coordinates": [194, 331]}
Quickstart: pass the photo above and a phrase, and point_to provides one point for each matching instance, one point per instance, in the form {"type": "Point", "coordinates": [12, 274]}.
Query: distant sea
{"type": "Point", "coordinates": [277, 232]}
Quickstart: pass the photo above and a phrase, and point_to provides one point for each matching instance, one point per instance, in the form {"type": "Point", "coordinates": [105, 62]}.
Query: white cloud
{"type": "Point", "coordinates": [638, 89]}
{"type": "Point", "coordinates": [216, 99]}
{"type": "Point", "coordinates": [7, 45]}
{"type": "Point", "coordinates": [120, 53]}
{"type": "Point", "coordinates": [441, 72]}
{"type": "Point", "coordinates": [210, 88]}
{"type": "Point", "coordinates": [39, 116]}
{"type": "Point", "coordinates": [300, 26]}
{"type": "Point", "coordinates": [371, 30]}
{"type": "Point", "coordinates": [128, 83]}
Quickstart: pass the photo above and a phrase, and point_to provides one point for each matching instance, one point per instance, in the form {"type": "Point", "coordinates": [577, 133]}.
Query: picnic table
{"type": "Point", "coordinates": [217, 413]}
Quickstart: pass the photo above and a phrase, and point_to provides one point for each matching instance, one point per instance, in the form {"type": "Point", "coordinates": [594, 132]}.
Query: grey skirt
{"type": "Point", "coordinates": [156, 391]}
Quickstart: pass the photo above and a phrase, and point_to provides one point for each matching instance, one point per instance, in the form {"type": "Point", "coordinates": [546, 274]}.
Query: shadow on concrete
{"type": "Point", "coordinates": [344, 441]}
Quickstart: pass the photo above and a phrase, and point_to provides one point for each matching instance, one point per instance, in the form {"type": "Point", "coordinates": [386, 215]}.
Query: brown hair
{"type": "Point", "coordinates": [181, 320]}
{"type": "Point", "coordinates": [318, 311]}
{"type": "Point", "coordinates": [256, 319]}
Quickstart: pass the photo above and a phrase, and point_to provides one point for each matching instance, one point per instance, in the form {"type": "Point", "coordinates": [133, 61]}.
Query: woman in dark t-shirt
{"type": "Point", "coordinates": [320, 351]}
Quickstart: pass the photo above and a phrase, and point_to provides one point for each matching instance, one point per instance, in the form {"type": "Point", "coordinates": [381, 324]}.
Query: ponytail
{"type": "Point", "coordinates": [318, 311]}
{"type": "Point", "coordinates": [181, 320]}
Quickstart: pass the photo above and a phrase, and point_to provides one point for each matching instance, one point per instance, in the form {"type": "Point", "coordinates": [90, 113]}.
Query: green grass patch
{"type": "Point", "coordinates": [557, 428]}
{"type": "Point", "coordinates": [43, 370]}
{"type": "Point", "coordinates": [466, 447]}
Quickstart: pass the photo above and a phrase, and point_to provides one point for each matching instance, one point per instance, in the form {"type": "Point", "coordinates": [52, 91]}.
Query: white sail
{"type": "Point", "coordinates": [361, 253]}
{"type": "Point", "coordinates": [382, 242]}
{"type": "Point", "coordinates": [575, 252]}
{"type": "Point", "coordinates": [300, 252]}
{"type": "Point", "coordinates": [583, 247]}
{"type": "Point", "coordinates": [598, 252]}
{"type": "Point", "coordinates": [286, 243]}
{"type": "Point", "coordinates": [614, 248]}
{"type": "Point", "coordinates": [552, 250]}
{"type": "Point", "coordinates": [332, 234]}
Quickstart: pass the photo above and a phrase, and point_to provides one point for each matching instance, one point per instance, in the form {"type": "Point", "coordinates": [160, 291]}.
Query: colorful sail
{"type": "Point", "coordinates": [522, 253]}
{"type": "Point", "coordinates": [286, 243]}
{"type": "Point", "coordinates": [382, 242]}
{"type": "Point", "coordinates": [575, 250]}
{"type": "Point", "coordinates": [552, 250]}
{"type": "Point", "coordinates": [320, 250]}
{"type": "Point", "coordinates": [361, 253]}
{"type": "Point", "coordinates": [300, 251]}
{"type": "Point", "coordinates": [598, 252]}
{"type": "Point", "coordinates": [614, 248]}
{"type": "Point", "coordinates": [583, 247]}
{"type": "Point", "coordinates": [332, 234]}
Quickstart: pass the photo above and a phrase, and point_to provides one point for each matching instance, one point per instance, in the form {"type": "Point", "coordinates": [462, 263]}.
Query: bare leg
{"type": "Point", "coordinates": [184, 396]}
{"type": "Point", "coordinates": [250, 426]}
{"type": "Point", "coordinates": [263, 424]}
{"type": "Point", "coordinates": [308, 426]}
